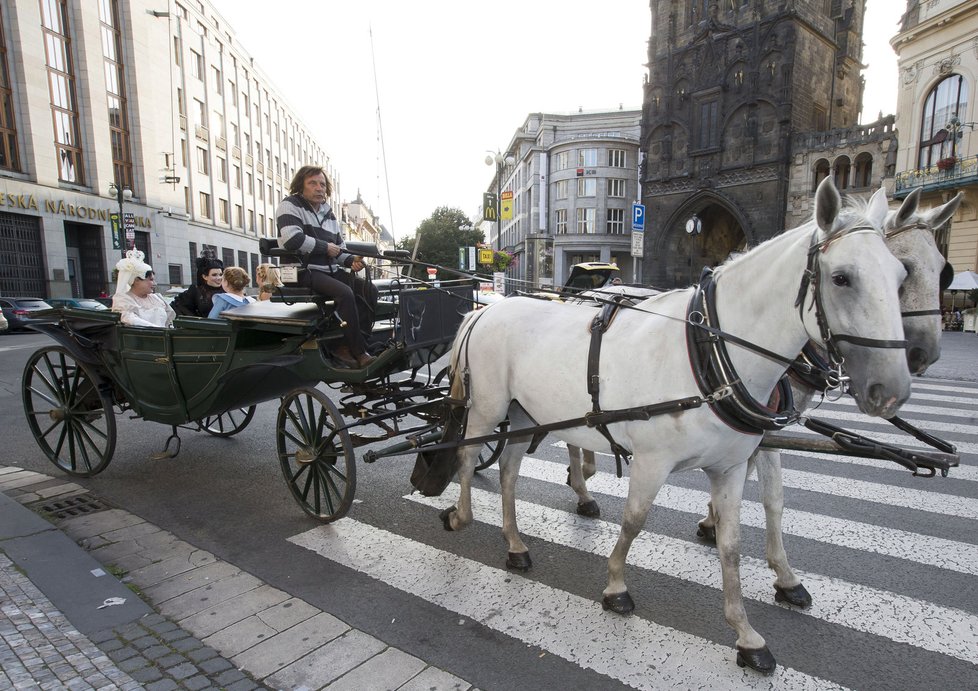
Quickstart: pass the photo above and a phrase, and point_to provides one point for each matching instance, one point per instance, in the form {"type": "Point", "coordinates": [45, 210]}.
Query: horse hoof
{"type": "Point", "coordinates": [797, 596]}
{"type": "Point", "coordinates": [589, 509]}
{"type": "Point", "coordinates": [446, 517]}
{"type": "Point", "coordinates": [759, 659]}
{"type": "Point", "coordinates": [706, 533]}
{"type": "Point", "coordinates": [620, 603]}
{"type": "Point", "coordinates": [518, 561]}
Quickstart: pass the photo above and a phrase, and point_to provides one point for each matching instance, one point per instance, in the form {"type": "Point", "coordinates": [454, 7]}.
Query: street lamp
{"type": "Point", "coordinates": [121, 195]}
{"type": "Point", "coordinates": [500, 160]}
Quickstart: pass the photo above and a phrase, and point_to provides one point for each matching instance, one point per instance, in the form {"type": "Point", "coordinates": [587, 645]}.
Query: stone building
{"type": "Point", "coordinates": [937, 58]}
{"type": "Point", "coordinates": [730, 83]}
{"type": "Point", "coordinates": [155, 97]}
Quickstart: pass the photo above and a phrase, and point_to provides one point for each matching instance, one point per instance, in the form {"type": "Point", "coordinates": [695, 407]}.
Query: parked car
{"type": "Point", "coordinates": [78, 303]}
{"type": "Point", "coordinates": [3, 322]}
{"type": "Point", "coordinates": [19, 312]}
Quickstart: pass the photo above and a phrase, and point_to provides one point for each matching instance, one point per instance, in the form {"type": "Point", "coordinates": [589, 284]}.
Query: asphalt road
{"type": "Point", "coordinates": [891, 559]}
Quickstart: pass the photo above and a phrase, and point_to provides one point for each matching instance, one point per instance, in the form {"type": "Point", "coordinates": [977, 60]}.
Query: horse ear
{"type": "Point", "coordinates": [878, 207]}
{"type": "Point", "coordinates": [940, 215]}
{"type": "Point", "coordinates": [907, 210]}
{"type": "Point", "coordinates": [828, 203]}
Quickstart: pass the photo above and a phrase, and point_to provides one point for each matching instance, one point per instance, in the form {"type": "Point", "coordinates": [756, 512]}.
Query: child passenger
{"type": "Point", "coordinates": [235, 281]}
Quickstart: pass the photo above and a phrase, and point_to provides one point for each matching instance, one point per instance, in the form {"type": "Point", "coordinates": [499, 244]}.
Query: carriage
{"type": "Point", "coordinates": [210, 374]}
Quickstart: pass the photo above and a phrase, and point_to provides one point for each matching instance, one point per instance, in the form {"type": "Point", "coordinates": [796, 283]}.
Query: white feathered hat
{"type": "Point", "coordinates": [130, 268]}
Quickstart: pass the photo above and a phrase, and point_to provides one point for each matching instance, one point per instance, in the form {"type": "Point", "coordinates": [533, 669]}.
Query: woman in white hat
{"type": "Point", "coordinates": [134, 297]}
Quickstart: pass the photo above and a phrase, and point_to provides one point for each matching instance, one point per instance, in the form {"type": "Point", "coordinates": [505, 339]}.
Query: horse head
{"type": "Point", "coordinates": [855, 283]}
{"type": "Point", "coordinates": [910, 237]}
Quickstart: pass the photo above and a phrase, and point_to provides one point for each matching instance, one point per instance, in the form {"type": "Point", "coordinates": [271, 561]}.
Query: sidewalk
{"type": "Point", "coordinates": [182, 620]}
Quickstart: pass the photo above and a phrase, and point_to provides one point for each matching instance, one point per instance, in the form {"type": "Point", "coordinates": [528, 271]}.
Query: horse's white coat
{"type": "Point", "coordinates": [534, 352]}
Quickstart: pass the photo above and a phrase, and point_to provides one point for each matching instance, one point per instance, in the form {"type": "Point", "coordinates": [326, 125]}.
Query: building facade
{"type": "Point", "coordinates": [573, 180]}
{"type": "Point", "coordinates": [730, 84]}
{"type": "Point", "coordinates": [937, 58]}
{"type": "Point", "coordinates": [153, 96]}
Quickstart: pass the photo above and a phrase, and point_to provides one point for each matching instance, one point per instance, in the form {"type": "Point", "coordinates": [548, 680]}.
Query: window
{"type": "Point", "coordinates": [819, 118]}
{"type": "Point", "coordinates": [175, 274]}
{"type": "Point", "coordinates": [561, 189]}
{"type": "Point", "coordinates": [863, 176]}
{"type": "Point", "coordinates": [108, 11]}
{"type": "Point", "coordinates": [707, 126]}
{"type": "Point", "coordinates": [247, 144]}
{"type": "Point", "coordinates": [616, 188]}
{"type": "Point", "coordinates": [200, 112]}
{"type": "Point", "coordinates": [585, 221]}
{"type": "Point", "coordinates": [249, 183]}
{"type": "Point", "coordinates": [222, 169]}
{"type": "Point", "coordinates": [222, 207]}
{"type": "Point", "coordinates": [238, 216]}
{"type": "Point", "coordinates": [948, 99]}
{"type": "Point", "coordinates": [218, 124]}
{"type": "Point", "coordinates": [236, 178]}
{"type": "Point", "coordinates": [560, 221]}
{"type": "Point", "coordinates": [587, 158]}
{"type": "Point", "coordinates": [218, 81]}
{"type": "Point", "coordinates": [842, 169]}
{"type": "Point", "coordinates": [9, 157]}
{"type": "Point", "coordinates": [61, 82]}
{"type": "Point", "coordinates": [196, 64]}
{"type": "Point", "coordinates": [562, 161]}
{"type": "Point", "coordinates": [205, 205]}
{"type": "Point", "coordinates": [587, 187]}
{"type": "Point", "coordinates": [235, 139]}
{"type": "Point", "coordinates": [616, 158]}
{"type": "Point", "coordinates": [181, 103]}
{"type": "Point", "coordinates": [203, 165]}
{"type": "Point", "coordinates": [176, 50]}
{"type": "Point", "coordinates": [233, 93]}
{"type": "Point", "coordinates": [616, 221]}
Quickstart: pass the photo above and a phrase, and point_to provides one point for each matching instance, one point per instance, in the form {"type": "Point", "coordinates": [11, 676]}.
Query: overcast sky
{"type": "Point", "coordinates": [455, 79]}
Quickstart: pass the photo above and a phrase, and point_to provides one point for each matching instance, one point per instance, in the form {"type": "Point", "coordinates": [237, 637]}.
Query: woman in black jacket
{"type": "Point", "coordinates": [197, 300]}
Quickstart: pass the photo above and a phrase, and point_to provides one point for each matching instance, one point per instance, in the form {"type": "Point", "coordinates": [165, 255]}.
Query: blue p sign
{"type": "Point", "coordinates": [638, 216]}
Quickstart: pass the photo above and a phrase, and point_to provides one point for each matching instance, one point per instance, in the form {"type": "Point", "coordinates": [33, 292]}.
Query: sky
{"type": "Point", "coordinates": [455, 80]}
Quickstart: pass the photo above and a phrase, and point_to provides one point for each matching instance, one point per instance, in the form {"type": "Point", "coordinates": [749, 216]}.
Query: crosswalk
{"type": "Point", "coordinates": [892, 565]}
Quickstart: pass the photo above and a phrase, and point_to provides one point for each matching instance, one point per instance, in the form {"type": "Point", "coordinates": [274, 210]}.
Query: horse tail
{"type": "Point", "coordinates": [459, 360]}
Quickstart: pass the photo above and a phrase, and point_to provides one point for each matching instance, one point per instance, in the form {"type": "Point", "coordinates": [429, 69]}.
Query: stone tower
{"type": "Point", "coordinates": [730, 82]}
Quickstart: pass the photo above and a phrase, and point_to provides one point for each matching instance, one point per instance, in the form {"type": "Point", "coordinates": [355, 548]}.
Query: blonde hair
{"type": "Point", "coordinates": [237, 278]}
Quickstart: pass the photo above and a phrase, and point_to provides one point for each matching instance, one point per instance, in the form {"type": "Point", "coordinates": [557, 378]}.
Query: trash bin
{"type": "Point", "coordinates": [970, 320]}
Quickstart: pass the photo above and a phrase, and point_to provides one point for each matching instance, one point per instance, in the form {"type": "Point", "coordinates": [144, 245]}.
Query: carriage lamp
{"type": "Point", "coordinates": [500, 160]}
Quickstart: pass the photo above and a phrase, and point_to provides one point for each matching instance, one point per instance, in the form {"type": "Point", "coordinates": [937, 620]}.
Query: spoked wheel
{"type": "Point", "coordinates": [491, 450]}
{"type": "Point", "coordinates": [316, 455]}
{"type": "Point", "coordinates": [228, 423]}
{"type": "Point", "coordinates": [72, 421]}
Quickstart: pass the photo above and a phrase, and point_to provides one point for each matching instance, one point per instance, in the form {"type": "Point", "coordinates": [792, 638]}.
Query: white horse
{"type": "Point", "coordinates": [525, 358]}
{"type": "Point", "coordinates": [910, 238]}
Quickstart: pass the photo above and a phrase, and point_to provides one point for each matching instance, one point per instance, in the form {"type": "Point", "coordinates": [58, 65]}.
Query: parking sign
{"type": "Point", "coordinates": [638, 216]}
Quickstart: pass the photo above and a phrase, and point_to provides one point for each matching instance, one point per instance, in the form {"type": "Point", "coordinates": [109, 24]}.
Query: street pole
{"type": "Point", "coordinates": [121, 194]}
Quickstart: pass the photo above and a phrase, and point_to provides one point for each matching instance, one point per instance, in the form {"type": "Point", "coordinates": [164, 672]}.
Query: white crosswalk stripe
{"type": "Point", "coordinates": [633, 650]}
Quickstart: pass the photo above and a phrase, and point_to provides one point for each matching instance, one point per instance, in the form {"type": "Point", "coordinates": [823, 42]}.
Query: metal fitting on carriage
{"type": "Point", "coordinates": [720, 394]}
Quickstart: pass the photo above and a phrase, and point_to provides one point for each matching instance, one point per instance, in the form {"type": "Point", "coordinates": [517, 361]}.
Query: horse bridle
{"type": "Point", "coordinates": [812, 276]}
{"type": "Point", "coordinates": [947, 273]}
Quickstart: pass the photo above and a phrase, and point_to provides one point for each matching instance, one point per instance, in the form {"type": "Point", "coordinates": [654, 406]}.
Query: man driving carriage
{"type": "Point", "coordinates": [308, 227]}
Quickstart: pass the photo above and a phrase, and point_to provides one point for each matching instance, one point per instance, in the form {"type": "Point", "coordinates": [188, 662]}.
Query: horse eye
{"type": "Point", "coordinates": [840, 280]}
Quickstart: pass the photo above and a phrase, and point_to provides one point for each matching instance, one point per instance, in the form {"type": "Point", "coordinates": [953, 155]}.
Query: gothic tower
{"type": "Point", "coordinates": [729, 82]}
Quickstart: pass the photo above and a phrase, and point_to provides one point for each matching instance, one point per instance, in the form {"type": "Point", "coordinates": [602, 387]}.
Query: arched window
{"type": "Point", "coordinates": [948, 99]}
{"type": "Point", "coordinates": [842, 168]}
{"type": "Point", "coordinates": [864, 170]}
{"type": "Point", "coordinates": [821, 172]}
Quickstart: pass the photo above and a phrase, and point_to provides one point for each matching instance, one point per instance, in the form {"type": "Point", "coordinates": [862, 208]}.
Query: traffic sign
{"type": "Point", "coordinates": [638, 243]}
{"type": "Point", "coordinates": [638, 216]}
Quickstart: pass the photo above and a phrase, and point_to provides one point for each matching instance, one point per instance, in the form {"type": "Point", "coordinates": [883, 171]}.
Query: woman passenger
{"type": "Point", "coordinates": [234, 283]}
{"type": "Point", "coordinates": [134, 298]}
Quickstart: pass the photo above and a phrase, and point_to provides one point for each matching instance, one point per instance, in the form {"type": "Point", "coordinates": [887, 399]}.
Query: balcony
{"type": "Point", "coordinates": [183, 123]}
{"type": "Point", "coordinates": [221, 143]}
{"type": "Point", "coordinates": [963, 171]}
{"type": "Point", "coordinates": [249, 160]}
{"type": "Point", "coordinates": [236, 153]}
{"type": "Point", "coordinates": [201, 133]}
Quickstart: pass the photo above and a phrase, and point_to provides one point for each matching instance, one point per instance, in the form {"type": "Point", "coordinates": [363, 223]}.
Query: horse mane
{"type": "Point", "coordinates": [852, 216]}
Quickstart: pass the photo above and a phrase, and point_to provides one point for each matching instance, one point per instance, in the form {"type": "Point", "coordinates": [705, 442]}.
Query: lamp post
{"type": "Point", "coordinates": [500, 160]}
{"type": "Point", "coordinates": [121, 195]}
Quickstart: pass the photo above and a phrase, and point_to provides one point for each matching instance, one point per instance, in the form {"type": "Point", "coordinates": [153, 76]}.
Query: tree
{"type": "Point", "coordinates": [440, 238]}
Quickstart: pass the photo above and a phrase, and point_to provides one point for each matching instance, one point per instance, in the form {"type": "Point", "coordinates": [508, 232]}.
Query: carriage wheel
{"type": "Point", "coordinates": [228, 423]}
{"type": "Point", "coordinates": [72, 421]}
{"type": "Point", "coordinates": [316, 455]}
{"type": "Point", "coordinates": [491, 450]}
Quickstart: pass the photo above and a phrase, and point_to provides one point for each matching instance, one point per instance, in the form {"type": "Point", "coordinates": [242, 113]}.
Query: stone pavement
{"type": "Point", "coordinates": [183, 619]}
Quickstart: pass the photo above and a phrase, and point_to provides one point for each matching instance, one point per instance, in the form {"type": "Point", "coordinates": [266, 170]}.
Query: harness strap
{"type": "Point", "coordinates": [920, 435]}
{"type": "Point", "coordinates": [920, 313]}
{"type": "Point", "coordinates": [870, 342]}
{"type": "Point", "coordinates": [595, 418]}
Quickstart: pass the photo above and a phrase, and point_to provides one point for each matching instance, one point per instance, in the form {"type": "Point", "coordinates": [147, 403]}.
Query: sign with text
{"type": "Point", "coordinates": [499, 282]}
{"type": "Point", "coordinates": [638, 243]}
{"type": "Point", "coordinates": [116, 231]}
{"type": "Point", "coordinates": [506, 206]}
{"type": "Point", "coordinates": [638, 216]}
{"type": "Point", "coordinates": [485, 256]}
{"type": "Point", "coordinates": [490, 206]}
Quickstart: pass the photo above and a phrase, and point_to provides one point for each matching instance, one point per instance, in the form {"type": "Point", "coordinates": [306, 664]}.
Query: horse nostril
{"type": "Point", "coordinates": [917, 360]}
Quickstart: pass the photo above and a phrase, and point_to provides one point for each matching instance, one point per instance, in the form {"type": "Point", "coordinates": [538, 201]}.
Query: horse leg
{"type": "Point", "coordinates": [727, 488]}
{"type": "Point", "coordinates": [788, 587]}
{"type": "Point", "coordinates": [706, 528]}
{"type": "Point", "coordinates": [577, 474]}
{"type": "Point", "coordinates": [646, 479]}
{"type": "Point", "coordinates": [459, 516]}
